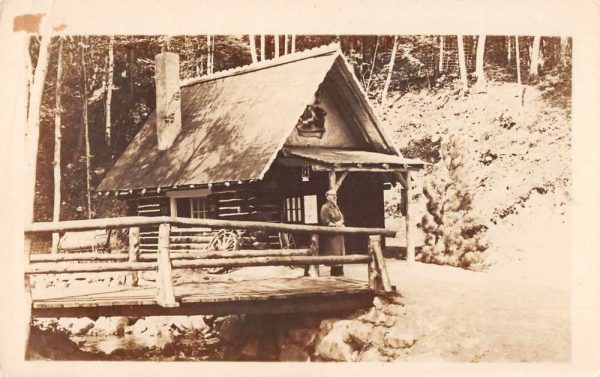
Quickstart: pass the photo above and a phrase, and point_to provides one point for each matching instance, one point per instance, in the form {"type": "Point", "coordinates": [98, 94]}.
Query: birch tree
{"type": "Point", "coordinates": [441, 62]}
{"type": "Point", "coordinates": [479, 61]}
{"type": "Point", "coordinates": [535, 57]}
{"type": "Point", "coordinates": [276, 36]}
{"type": "Point", "coordinates": [209, 54]}
{"type": "Point", "coordinates": [461, 62]}
{"type": "Point", "coordinates": [109, 90]}
{"type": "Point", "coordinates": [86, 129]}
{"type": "Point", "coordinates": [518, 59]}
{"type": "Point", "coordinates": [262, 47]}
{"type": "Point", "coordinates": [252, 48]}
{"type": "Point", "coordinates": [32, 132]}
{"type": "Point", "coordinates": [57, 144]}
{"type": "Point", "coordinates": [285, 44]}
{"type": "Point", "coordinates": [293, 43]}
{"type": "Point", "coordinates": [390, 70]}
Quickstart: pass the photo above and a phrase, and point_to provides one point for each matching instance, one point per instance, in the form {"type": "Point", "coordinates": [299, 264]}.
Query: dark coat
{"type": "Point", "coordinates": [331, 244]}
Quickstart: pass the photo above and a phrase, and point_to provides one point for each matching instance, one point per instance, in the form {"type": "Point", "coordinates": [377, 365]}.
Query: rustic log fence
{"type": "Point", "coordinates": [165, 260]}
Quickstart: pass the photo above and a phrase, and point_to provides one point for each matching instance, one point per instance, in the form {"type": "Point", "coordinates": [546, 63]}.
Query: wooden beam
{"type": "Point", "coordinates": [332, 180]}
{"type": "Point", "coordinates": [410, 249]}
{"type": "Point", "coordinates": [164, 277]}
{"type": "Point", "coordinates": [375, 245]}
{"type": "Point", "coordinates": [313, 270]}
{"type": "Point", "coordinates": [87, 257]}
{"type": "Point", "coordinates": [121, 222]}
{"type": "Point", "coordinates": [228, 255]}
{"type": "Point", "coordinates": [273, 261]}
{"type": "Point", "coordinates": [69, 268]}
{"type": "Point", "coordinates": [340, 179]}
{"type": "Point", "coordinates": [398, 175]}
{"type": "Point", "coordinates": [134, 251]}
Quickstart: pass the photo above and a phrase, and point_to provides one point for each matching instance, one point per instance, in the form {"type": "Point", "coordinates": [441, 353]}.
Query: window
{"type": "Point", "coordinates": [294, 209]}
{"type": "Point", "coordinates": [198, 208]}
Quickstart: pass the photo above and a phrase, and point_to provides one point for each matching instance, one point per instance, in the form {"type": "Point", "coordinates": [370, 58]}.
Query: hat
{"type": "Point", "coordinates": [331, 192]}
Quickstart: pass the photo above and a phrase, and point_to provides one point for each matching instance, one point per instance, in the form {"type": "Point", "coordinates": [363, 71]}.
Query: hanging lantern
{"type": "Point", "coordinates": [305, 173]}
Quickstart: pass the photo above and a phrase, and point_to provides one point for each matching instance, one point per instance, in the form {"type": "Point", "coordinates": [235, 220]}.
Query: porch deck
{"type": "Point", "coordinates": [219, 297]}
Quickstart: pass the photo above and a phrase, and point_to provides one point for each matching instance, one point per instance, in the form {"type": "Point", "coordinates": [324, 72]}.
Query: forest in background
{"type": "Point", "coordinates": [99, 90]}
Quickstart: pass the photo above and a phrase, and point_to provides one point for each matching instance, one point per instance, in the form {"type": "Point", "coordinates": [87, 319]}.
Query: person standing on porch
{"type": "Point", "coordinates": [332, 244]}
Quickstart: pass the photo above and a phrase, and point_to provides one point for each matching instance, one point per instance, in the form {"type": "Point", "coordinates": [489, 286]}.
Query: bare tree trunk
{"type": "Point", "coordinates": [57, 145]}
{"type": "Point", "coordinates": [508, 51]}
{"type": "Point", "coordinates": [32, 133]}
{"type": "Point", "coordinates": [131, 72]}
{"type": "Point", "coordinates": [109, 89]}
{"type": "Point", "coordinates": [441, 63]}
{"type": "Point", "coordinates": [253, 48]}
{"type": "Point", "coordinates": [563, 50]}
{"type": "Point", "coordinates": [84, 97]}
{"type": "Point", "coordinates": [518, 58]}
{"type": "Point", "coordinates": [461, 62]}
{"type": "Point", "coordinates": [276, 39]}
{"type": "Point", "coordinates": [390, 70]}
{"type": "Point", "coordinates": [293, 43]}
{"type": "Point", "coordinates": [535, 57]}
{"type": "Point", "coordinates": [209, 54]}
{"type": "Point", "coordinates": [262, 47]}
{"type": "Point", "coordinates": [479, 62]}
{"type": "Point", "coordinates": [285, 44]}
{"type": "Point", "coordinates": [372, 65]}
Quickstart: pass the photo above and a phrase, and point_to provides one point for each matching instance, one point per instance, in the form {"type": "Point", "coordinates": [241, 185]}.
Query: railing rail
{"type": "Point", "coordinates": [137, 221]}
{"type": "Point", "coordinates": [165, 260]}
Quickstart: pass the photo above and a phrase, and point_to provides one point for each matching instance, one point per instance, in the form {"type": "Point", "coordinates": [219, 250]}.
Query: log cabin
{"type": "Point", "coordinates": [261, 142]}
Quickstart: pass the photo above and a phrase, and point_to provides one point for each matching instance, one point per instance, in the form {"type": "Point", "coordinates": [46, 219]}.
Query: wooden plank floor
{"type": "Point", "coordinates": [272, 294]}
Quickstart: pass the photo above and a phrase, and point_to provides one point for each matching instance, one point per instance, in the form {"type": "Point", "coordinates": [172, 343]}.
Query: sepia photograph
{"type": "Point", "coordinates": [296, 197]}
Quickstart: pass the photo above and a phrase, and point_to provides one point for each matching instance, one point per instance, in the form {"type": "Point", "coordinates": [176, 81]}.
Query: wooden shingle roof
{"type": "Point", "coordinates": [234, 123]}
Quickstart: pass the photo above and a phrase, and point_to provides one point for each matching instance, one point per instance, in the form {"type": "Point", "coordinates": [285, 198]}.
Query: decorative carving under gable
{"type": "Point", "coordinates": [312, 121]}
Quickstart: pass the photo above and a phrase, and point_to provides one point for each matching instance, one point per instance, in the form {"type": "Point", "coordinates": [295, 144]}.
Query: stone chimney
{"type": "Point", "coordinates": [168, 99]}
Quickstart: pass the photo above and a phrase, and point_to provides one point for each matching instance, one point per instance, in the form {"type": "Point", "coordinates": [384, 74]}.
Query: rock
{"type": "Point", "coordinates": [76, 326]}
{"type": "Point", "coordinates": [372, 354]}
{"type": "Point", "coordinates": [179, 323]}
{"type": "Point", "coordinates": [197, 322]}
{"type": "Point", "coordinates": [231, 329]}
{"type": "Point", "coordinates": [359, 332]}
{"type": "Point", "coordinates": [400, 338]}
{"type": "Point", "coordinates": [45, 323]}
{"type": "Point", "coordinates": [109, 326]}
{"type": "Point", "coordinates": [394, 310]}
{"type": "Point", "coordinates": [251, 347]}
{"type": "Point", "coordinates": [149, 326]}
{"type": "Point", "coordinates": [303, 337]}
{"type": "Point", "coordinates": [374, 316]}
{"type": "Point", "coordinates": [377, 303]}
{"type": "Point", "coordinates": [292, 352]}
{"type": "Point", "coordinates": [334, 347]}
{"type": "Point", "coordinates": [377, 335]}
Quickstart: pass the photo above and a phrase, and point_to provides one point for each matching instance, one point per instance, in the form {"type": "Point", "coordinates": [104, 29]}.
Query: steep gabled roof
{"type": "Point", "coordinates": [234, 122]}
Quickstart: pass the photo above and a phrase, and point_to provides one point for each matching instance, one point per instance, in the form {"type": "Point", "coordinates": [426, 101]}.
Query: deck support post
{"type": "Point", "coordinates": [410, 248]}
{"type": "Point", "coordinates": [313, 269]}
{"type": "Point", "coordinates": [164, 277]}
{"type": "Point", "coordinates": [378, 275]}
{"type": "Point", "coordinates": [134, 251]}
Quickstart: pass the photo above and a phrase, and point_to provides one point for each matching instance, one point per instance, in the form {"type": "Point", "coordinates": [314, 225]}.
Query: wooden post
{"type": "Point", "coordinates": [164, 278]}
{"type": "Point", "coordinates": [374, 278]}
{"type": "Point", "coordinates": [332, 180]}
{"type": "Point", "coordinates": [313, 270]}
{"type": "Point", "coordinates": [375, 245]}
{"type": "Point", "coordinates": [28, 298]}
{"type": "Point", "coordinates": [134, 251]}
{"type": "Point", "coordinates": [410, 248]}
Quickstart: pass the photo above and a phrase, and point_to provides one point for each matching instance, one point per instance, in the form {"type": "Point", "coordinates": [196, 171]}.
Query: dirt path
{"type": "Point", "coordinates": [466, 316]}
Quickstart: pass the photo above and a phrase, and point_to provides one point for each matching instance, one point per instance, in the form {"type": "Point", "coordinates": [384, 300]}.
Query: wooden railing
{"type": "Point", "coordinates": [165, 260]}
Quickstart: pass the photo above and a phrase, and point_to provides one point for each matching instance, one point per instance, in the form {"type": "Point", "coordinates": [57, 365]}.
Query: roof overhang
{"type": "Point", "coordinates": [347, 160]}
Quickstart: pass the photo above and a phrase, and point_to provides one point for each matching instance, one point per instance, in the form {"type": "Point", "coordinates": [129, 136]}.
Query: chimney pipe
{"type": "Point", "coordinates": [168, 99]}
